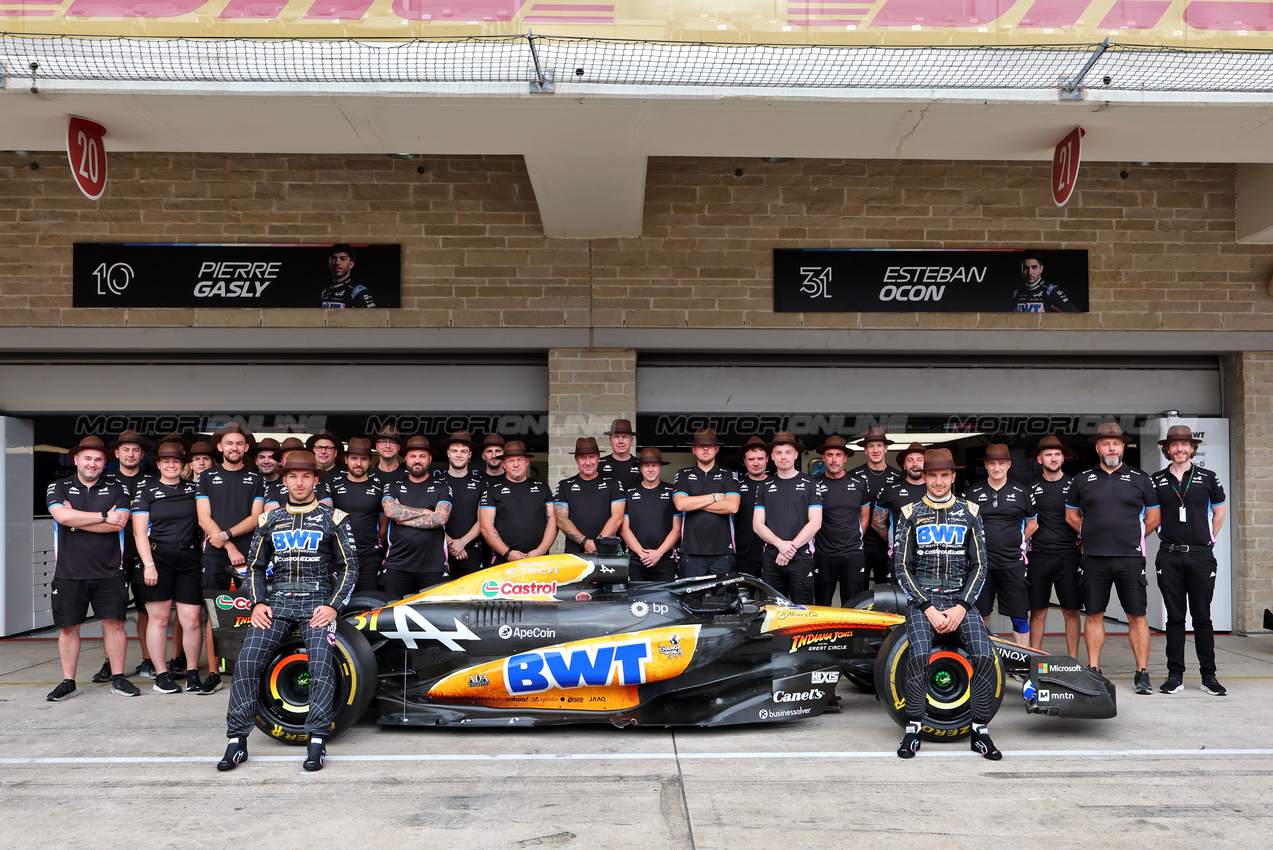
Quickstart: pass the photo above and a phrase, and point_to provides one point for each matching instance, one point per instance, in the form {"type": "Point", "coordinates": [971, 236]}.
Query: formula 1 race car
{"type": "Point", "coordinates": [567, 639]}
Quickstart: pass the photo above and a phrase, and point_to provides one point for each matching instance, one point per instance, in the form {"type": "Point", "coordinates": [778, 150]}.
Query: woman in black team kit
{"type": "Point", "coordinates": [166, 529]}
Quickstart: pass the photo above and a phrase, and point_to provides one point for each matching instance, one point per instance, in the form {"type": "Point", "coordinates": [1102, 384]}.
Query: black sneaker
{"type": "Point", "coordinates": [211, 685]}
{"type": "Point", "coordinates": [1174, 684]}
{"type": "Point", "coordinates": [192, 681]}
{"type": "Point", "coordinates": [103, 676]}
{"type": "Point", "coordinates": [177, 666]}
{"type": "Point", "coordinates": [124, 688]}
{"type": "Point", "coordinates": [981, 743]}
{"type": "Point", "coordinates": [165, 685]}
{"type": "Point", "coordinates": [66, 690]}
{"type": "Point", "coordinates": [1143, 685]}
{"type": "Point", "coordinates": [146, 669]}
{"type": "Point", "coordinates": [910, 741]}
{"type": "Point", "coordinates": [236, 752]}
{"type": "Point", "coordinates": [1211, 686]}
{"type": "Point", "coordinates": [315, 754]}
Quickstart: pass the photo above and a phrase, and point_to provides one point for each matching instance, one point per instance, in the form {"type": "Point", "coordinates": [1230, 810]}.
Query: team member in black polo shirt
{"type": "Point", "coordinates": [165, 528]}
{"type": "Point", "coordinates": [202, 458]}
{"type": "Point", "coordinates": [417, 507]}
{"type": "Point", "coordinates": [788, 514]}
{"type": "Point", "coordinates": [463, 531]}
{"type": "Point", "coordinates": [837, 549]}
{"type": "Point", "coordinates": [1193, 511]}
{"type": "Point", "coordinates": [889, 500]}
{"type": "Point", "coordinates": [651, 525]}
{"type": "Point", "coordinates": [755, 457]}
{"type": "Point", "coordinates": [1009, 519]}
{"type": "Point", "coordinates": [620, 465]}
{"type": "Point", "coordinates": [266, 459]}
{"type": "Point", "coordinates": [517, 514]}
{"type": "Point", "coordinates": [1054, 548]}
{"type": "Point", "coordinates": [276, 491]}
{"type": "Point", "coordinates": [91, 515]}
{"type": "Point", "coordinates": [707, 497]}
{"type": "Point", "coordinates": [492, 459]}
{"type": "Point", "coordinates": [1105, 507]}
{"type": "Point", "coordinates": [229, 498]}
{"type": "Point", "coordinates": [327, 449]}
{"type": "Point", "coordinates": [388, 468]}
{"type": "Point", "coordinates": [875, 475]}
{"type": "Point", "coordinates": [355, 492]}
{"type": "Point", "coordinates": [129, 450]}
{"type": "Point", "coordinates": [588, 505]}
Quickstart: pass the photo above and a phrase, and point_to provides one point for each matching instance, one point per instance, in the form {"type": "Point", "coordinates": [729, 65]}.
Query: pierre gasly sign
{"type": "Point", "coordinates": [107, 274]}
{"type": "Point", "coordinates": [929, 281]}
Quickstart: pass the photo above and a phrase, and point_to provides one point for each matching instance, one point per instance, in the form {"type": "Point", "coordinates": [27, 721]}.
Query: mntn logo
{"type": "Point", "coordinates": [940, 533]}
{"type": "Point", "coordinates": [577, 667]}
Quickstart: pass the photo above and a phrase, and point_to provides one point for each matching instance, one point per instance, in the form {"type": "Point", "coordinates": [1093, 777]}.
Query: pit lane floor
{"type": "Point", "coordinates": [101, 771]}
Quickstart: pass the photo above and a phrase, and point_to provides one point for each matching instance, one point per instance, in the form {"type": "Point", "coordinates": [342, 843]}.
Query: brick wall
{"type": "Point", "coordinates": [587, 390]}
{"type": "Point", "coordinates": [1253, 513]}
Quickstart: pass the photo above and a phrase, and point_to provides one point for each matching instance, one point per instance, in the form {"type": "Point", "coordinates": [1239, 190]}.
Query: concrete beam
{"type": "Point", "coordinates": [588, 193]}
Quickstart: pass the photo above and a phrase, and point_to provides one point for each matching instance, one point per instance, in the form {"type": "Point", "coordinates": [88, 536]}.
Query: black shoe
{"type": "Point", "coordinates": [910, 741]}
{"type": "Point", "coordinates": [981, 743]}
{"type": "Point", "coordinates": [123, 687]}
{"type": "Point", "coordinates": [177, 666]}
{"type": "Point", "coordinates": [236, 752]}
{"type": "Point", "coordinates": [1211, 686]}
{"type": "Point", "coordinates": [66, 690]}
{"type": "Point", "coordinates": [211, 685]}
{"type": "Point", "coordinates": [315, 754]}
{"type": "Point", "coordinates": [1143, 685]}
{"type": "Point", "coordinates": [103, 676]}
{"type": "Point", "coordinates": [165, 685]}
{"type": "Point", "coordinates": [192, 681]}
{"type": "Point", "coordinates": [1095, 670]}
{"type": "Point", "coordinates": [146, 669]}
{"type": "Point", "coordinates": [1174, 684]}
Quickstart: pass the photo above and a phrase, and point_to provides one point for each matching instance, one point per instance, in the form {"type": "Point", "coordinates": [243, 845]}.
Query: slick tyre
{"type": "Point", "coordinates": [284, 694]}
{"type": "Point", "coordinates": [948, 715]}
{"type": "Point", "coordinates": [367, 600]}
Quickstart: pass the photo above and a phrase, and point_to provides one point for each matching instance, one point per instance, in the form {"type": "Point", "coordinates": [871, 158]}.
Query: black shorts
{"type": "Point", "coordinates": [1009, 585]}
{"type": "Point", "coordinates": [1098, 574]}
{"type": "Point", "coordinates": [1059, 569]}
{"type": "Point", "coordinates": [179, 579]}
{"type": "Point", "coordinates": [71, 598]}
{"type": "Point", "coordinates": [216, 569]}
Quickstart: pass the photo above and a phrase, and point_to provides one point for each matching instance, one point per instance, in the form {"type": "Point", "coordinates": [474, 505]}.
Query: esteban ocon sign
{"type": "Point", "coordinates": [936, 281]}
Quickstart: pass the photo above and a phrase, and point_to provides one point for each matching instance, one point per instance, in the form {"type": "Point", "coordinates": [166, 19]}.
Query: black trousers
{"type": "Point", "coordinates": [879, 565]}
{"type": "Point", "coordinates": [793, 579]}
{"type": "Point", "coordinates": [1188, 578]}
{"type": "Point", "coordinates": [847, 571]}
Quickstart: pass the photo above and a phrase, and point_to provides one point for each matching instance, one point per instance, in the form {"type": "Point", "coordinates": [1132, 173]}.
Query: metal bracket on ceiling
{"type": "Point", "coordinates": [1071, 88]}
{"type": "Point", "coordinates": [542, 81]}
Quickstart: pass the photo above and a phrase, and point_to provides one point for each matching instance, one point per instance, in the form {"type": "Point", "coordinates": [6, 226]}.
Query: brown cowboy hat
{"type": "Point", "coordinates": [1110, 430]}
{"type": "Point", "coordinates": [754, 442]}
{"type": "Point", "coordinates": [202, 447]}
{"type": "Point", "coordinates": [417, 442]}
{"type": "Point", "coordinates": [301, 460]}
{"type": "Point", "coordinates": [705, 437]}
{"type": "Point", "coordinates": [784, 438]}
{"type": "Point", "coordinates": [88, 443]}
{"type": "Point", "coordinates": [583, 446]}
{"type": "Point", "coordinates": [129, 436]}
{"type": "Point", "coordinates": [461, 438]}
{"type": "Point", "coordinates": [389, 432]}
{"type": "Point", "coordinates": [359, 446]}
{"type": "Point", "coordinates": [169, 450]}
{"type": "Point", "coordinates": [651, 455]}
{"type": "Point", "coordinates": [913, 448]}
{"type": "Point", "coordinates": [291, 444]}
{"type": "Point", "coordinates": [835, 441]}
{"type": "Point", "coordinates": [174, 437]}
{"type": "Point", "coordinates": [269, 444]}
{"type": "Point", "coordinates": [516, 448]}
{"type": "Point", "coordinates": [996, 451]}
{"type": "Point", "coordinates": [234, 428]}
{"type": "Point", "coordinates": [339, 443]}
{"type": "Point", "coordinates": [1180, 432]}
{"type": "Point", "coordinates": [935, 459]}
{"type": "Point", "coordinates": [620, 426]}
{"type": "Point", "coordinates": [874, 435]}
{"type": "Point", "coordinates": [1052, 442]}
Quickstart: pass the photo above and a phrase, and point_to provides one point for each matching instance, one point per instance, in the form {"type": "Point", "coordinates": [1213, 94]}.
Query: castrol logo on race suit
{"type": "Point", "coordinates": [514, 589]}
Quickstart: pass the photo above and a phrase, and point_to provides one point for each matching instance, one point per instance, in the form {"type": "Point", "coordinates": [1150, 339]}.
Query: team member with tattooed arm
{"type": "Point", "coordinates": [941, 565]}
{"type": "Point", "coordinates": [315, 570]}
{"type": "Point", "coordinates": [417, 507]}
{"type": "Point", "coordinates": [517, 514]}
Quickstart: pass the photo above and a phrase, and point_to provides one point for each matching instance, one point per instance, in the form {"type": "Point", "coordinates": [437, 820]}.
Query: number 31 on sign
{"type": "Point", "coordinates": [1065, 166]}
{"type": "Point", "coordinates": [87, 153]}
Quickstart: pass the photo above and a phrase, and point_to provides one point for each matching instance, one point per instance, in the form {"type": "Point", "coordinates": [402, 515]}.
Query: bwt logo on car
{"type": "Point", "coordinates": [297, 539]}
{"type": "Point", "coordinates": [511, 588]}
{"type": "Point", "coordinates": [927, 535]}
{"type": "Point", "coordinates": [577, 667]}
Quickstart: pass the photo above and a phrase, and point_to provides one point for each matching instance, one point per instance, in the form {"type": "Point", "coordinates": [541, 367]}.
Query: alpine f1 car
{"type": "Point", "coordinates": [567, 639]}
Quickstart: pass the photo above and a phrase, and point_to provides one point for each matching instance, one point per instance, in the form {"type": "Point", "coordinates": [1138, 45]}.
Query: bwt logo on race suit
{"type": "Point", "coordinates": [294, 539]}
{"type": "Point", "coordinates": [939, 534]}
{"type": "Point", "coordinates": [577, 667]}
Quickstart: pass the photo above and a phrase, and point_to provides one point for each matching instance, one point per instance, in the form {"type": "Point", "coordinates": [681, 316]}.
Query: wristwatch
{"type": "Point", "coordinates": [106, 516]}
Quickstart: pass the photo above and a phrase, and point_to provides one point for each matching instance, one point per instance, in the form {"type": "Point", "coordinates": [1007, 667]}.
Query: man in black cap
{"type": "Point", "coordinates": [91, 514]}
{"type": "Point", "coordinates": [1193, 513]}
{"type": "Point", "coordinates": [1105, 507]}
{"type": "Point", "coordinates": [588, 505]}
{"type": "Point", "coordinates": [355, 492]}
{"type": "Point", "coordinates": [707, 496]}
{"type": "Point", "coordinates": [749, 558]}
{"type": "Point", "coordinates": [620, 465]}
{"type": "Point", "coordinates": [651, 525]}
{"type": "Point", "coordinates": [129, 450]}
{"type": "Point", "coordinates": [517, 516]}
{"type": "Point", "coordinates": [417, 508]}
{"type": "Point", "coordinates": [463, 531]}
{"type": "Point", "coordinates": [228, 498]}
{"type": "Point", "coordinates": [889, 500]}
{"type": "Point", "coordinates": [1008, 517]}
{"type": "Point", "coordinates": [876, 475]}
{"type": "Point", "coordinates": [787, 516]}
{"type": "Point", "coordinates": [846, 514]}
{"type": "Point", "coordinates": [1054, 548]}
{"type": "Point", "coordinates": [315, 570]}
{"type": "Point", "coordinates": [388, 468]}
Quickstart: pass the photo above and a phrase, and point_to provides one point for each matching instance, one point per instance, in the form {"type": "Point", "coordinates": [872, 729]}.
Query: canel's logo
{"type": "Point", "coordinates": [577, 667]}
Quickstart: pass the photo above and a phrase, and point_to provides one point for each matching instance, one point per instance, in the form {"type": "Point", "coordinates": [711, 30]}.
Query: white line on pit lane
{"type": "Point", "coordinates": [793, 756]}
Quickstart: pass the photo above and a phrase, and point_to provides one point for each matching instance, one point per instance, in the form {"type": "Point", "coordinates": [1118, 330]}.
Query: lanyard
{"type": "Point", "coordinates": [1188, 480]}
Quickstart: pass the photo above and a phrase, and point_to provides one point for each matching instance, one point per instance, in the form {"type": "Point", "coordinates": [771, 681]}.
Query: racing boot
{"type": "Point", "coordinates": [236, 752]}
{"type": "Point", "coordinates": [910, 740]}
{"type": "Point", "coordinates": [315, 754]}
{"type": "Point", "coordinates": [981, 742]}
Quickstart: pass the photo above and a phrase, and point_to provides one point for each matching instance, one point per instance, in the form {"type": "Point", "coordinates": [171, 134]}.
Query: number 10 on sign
{"type": "Point", "coordinates": [1065, 166]}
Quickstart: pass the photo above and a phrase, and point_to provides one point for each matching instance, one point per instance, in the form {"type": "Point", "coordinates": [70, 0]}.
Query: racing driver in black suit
{"type": "Point", "coordinates": [315, 570]}
{"type": "Point", "coordinates": [940, 550]}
